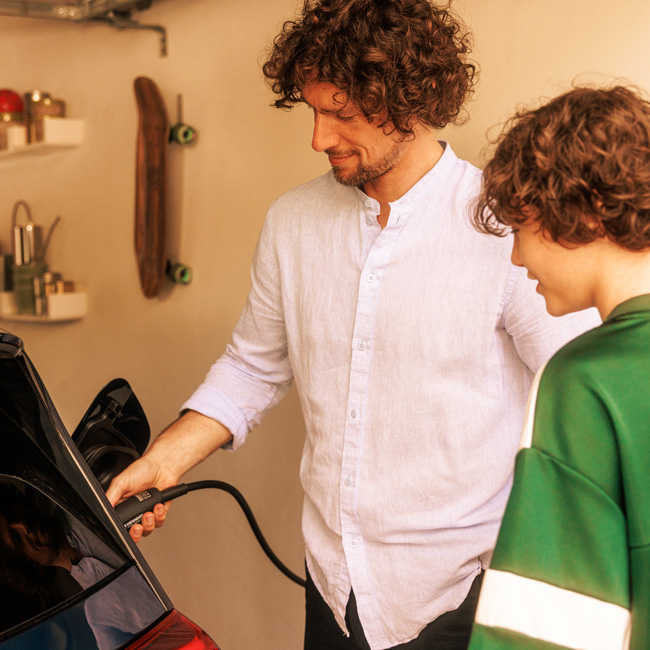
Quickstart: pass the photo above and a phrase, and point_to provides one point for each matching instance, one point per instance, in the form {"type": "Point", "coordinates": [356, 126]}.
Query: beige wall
{"type": "Point", "coordinates": [246, 155]}
{"type": "Point", "coordinates": [529, 49]}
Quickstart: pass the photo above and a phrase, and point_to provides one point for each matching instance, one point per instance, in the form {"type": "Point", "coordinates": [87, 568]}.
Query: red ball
{"type": "Point", "coordinates": [10, 101]}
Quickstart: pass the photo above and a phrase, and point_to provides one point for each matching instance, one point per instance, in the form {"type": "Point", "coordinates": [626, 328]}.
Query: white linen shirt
{"type": "Point", "coordinates": [412, 348]}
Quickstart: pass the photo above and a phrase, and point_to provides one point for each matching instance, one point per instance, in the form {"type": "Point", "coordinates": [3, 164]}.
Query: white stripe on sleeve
{"type": "Point", "coordinates": [527, 432]}
{"type": "Point", "coordinates": [551, 614]}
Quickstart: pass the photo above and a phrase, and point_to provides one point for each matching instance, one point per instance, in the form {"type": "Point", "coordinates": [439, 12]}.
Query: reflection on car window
{"type": "Point", "coordinates": [46, 555]}
{"type": "Point", "coordinates": [50, 561]}
{"type": "Point", "coordinates": [108, 619]}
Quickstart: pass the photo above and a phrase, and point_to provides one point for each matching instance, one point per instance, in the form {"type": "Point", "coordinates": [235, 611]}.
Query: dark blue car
{"type": "Point", "coordinates": [70, 576]}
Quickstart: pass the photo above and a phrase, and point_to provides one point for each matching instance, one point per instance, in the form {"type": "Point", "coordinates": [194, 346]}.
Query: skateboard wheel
{"type": "Point", "coordinates": [182, 134]}
{"type": "Point", "coordinates": [179, 273]}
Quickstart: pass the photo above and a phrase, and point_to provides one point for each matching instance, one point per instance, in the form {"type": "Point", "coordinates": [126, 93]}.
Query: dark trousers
{"type": "Point", "coordinates": [451, 631]}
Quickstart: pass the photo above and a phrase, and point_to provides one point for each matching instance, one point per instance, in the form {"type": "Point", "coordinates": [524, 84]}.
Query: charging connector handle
{"type": "Point", "coordinates": [133, 509]}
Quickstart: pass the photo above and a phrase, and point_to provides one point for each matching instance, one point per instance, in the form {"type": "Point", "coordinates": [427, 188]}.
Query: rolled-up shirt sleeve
{"type": "Point", "coordinates": [254, 372]}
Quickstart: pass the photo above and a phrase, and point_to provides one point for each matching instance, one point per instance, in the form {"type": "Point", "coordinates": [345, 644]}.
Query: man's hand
{"type": "Point", "coordinates": [140, 475]}
{"type": "Point", "coordinates": [184, 444]}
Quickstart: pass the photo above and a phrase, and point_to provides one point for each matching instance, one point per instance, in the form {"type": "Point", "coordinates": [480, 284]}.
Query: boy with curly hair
{"type": "Point", "coordinates": [411, 337]}
{"type": "Point", "coordinates": [571, 180]}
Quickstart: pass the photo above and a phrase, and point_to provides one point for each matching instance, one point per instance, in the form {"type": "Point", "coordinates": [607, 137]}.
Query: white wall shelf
{"type": "Point", "coordinates": [58, 133]}
{"type": "Point", "coordinates": [61, 308]}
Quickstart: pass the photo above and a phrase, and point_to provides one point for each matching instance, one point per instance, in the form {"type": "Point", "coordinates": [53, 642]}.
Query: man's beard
{"type": "Point", "coordinates": [365, 174]}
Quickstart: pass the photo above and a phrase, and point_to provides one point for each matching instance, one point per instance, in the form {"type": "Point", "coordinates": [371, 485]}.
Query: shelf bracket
{"type": "Point", "coordinates": [116, 13]}
{"type": "Point", "coordinates": [120, 21]}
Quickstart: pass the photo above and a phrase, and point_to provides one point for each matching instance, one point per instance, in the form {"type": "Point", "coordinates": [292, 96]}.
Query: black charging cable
{"type": "Point", "coordinates": [133, 509]}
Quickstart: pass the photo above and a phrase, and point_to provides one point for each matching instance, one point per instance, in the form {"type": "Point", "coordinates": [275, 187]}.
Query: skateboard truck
{"type": "Point", "coordinates": [181, 133]}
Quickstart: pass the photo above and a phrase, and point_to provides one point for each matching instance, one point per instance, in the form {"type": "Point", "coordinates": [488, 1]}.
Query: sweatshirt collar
{"type": "Point", "coordinates": [638, 303]}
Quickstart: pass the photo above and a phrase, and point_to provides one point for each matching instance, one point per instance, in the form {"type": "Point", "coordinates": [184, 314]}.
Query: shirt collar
{"type": "Point", "coordinates": [430, 181]}
{"type": "Point", "coordinates": [638, 303]}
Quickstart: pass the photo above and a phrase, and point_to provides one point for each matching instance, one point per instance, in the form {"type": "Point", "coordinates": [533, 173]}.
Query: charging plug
{"type": "Point", "coordinates": [133, 509]}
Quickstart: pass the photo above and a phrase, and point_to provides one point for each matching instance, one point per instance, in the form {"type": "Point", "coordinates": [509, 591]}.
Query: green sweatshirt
{"type": "Point", "coordinates": [571, 568]}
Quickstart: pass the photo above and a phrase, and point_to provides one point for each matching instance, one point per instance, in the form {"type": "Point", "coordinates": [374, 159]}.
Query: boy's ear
{"type": "Point", "coordinates": [594, 224]}
{"type": "Point", "coordinates": [591, 222]}
{"type": "Point", "coordinates": [29, 537]}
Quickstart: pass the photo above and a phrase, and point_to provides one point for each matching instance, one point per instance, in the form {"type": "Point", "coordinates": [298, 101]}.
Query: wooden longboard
{"type": "Point", "coordinates": [150, 186]}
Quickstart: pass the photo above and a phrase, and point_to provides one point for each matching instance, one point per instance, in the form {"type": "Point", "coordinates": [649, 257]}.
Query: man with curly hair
{"type": "Point", "coordinates": [571, 180]}
{"type": "Point", "coordinates": [411, 338]}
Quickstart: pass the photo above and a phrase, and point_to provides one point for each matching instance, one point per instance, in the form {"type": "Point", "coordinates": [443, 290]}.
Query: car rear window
{"type": "Point", "coordinates": [61, 586]}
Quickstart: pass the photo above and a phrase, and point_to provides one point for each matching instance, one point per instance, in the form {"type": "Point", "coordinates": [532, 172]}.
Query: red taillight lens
{"type": "Point", "coordinates": [174, 632]}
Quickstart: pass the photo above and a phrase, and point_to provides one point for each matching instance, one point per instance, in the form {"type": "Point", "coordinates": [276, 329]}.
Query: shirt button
{"type": "Point", "coordinates": [371, 277]}
{"type": "Point", "coordinates": [348, 481]}
{"type": "Point", "coordinates": [370, 221]}
{"type": "Point", "coordinates": [353, 413]}
{"type": "Point", "coordinates": [362, 345]}
{"type": "Point", "coordinates": [368, 204]}
{"type": "Point", "coordinates": [353, 543]}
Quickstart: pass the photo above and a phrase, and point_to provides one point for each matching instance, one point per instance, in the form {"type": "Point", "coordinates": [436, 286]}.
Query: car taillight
{"type": "Point", "coordinates": [174, 632]}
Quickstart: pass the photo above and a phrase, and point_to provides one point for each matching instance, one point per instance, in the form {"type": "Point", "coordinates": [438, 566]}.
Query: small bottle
{"type": "Point", "coordinates": [40, 299]}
